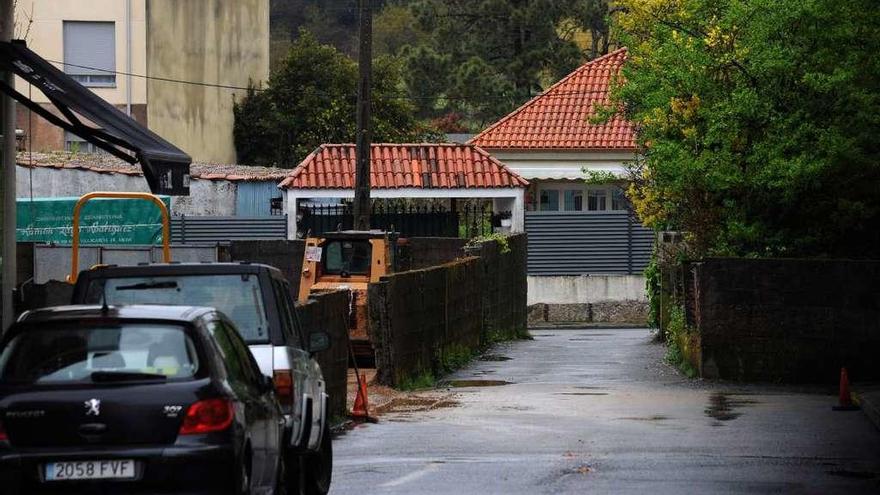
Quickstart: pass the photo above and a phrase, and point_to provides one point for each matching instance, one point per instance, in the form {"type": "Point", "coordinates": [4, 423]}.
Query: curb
{"type": "Point", "coordinates": [870, 403]}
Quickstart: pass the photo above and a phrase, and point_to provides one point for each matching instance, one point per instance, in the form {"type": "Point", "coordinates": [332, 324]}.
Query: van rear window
{"type": "Point", "coordinates": [237, 296]}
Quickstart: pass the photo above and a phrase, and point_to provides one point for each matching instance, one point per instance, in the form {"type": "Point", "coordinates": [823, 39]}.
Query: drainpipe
{"type": "Point", "coordinates": [7, 182]}
{"type": "Point", "coordinates": [128, 57]}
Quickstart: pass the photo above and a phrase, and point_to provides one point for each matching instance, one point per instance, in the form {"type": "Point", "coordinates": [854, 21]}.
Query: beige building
{"type": "Point", "coordinates": [110, 45]}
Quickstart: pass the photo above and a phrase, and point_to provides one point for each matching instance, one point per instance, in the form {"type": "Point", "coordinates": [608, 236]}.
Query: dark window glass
{"type": "Point", "coordinates": [618, 199]}
{"type": "Point", "coordinates": [231, 357]}
{"type": "Point", "coordinates": [73, 353]}
{"type": "Point", "coordinates": [347, 257]}
{"type": "Point", "coordinates": [574, 200]}
{"type": "Point", "coordinates": [549, 200]}
{"type": "Point", "coordinates": [237, 296]}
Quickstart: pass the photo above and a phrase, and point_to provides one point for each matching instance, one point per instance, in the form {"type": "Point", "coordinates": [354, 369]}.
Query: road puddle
{"type": "Point", "coordinates": [859, 475]}
{"type": "Point", "coordinates": [475, 383]}
{"type": "Point", "coordinates": [494, 358]}
{"type": "Point", "coordinates": [582, 393]}
{"type": "Point", "coordinates": [722, 407]}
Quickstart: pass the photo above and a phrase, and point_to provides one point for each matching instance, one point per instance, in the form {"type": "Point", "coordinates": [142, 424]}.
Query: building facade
{"type": "Point", "coordinates": [168, 64]}
{"type": "Point", "coordinates": [585, 245]}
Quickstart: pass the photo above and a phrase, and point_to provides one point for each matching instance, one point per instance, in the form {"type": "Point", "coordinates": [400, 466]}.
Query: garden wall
{"type": "Point", "coordinates": [418, 319]}
{"type": "Point", "coordinates": [328, 312]}
{"type": "Point", "coordinates": [786, 320]}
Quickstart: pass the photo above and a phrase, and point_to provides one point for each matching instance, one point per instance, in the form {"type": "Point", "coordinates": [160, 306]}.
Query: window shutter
{"type": "Point", "coordinates": [90, 44]}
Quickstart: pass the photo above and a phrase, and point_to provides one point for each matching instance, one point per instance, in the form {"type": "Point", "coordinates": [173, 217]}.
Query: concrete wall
{"type": "Point", "coordinates": [326, 312]}
{"type": "Point", "coordinates": [222, 42]}
{"type": "Point", "coordinates": [786, 320]}
{"type": "Point", "coordinates": [617, 299]}
{"type": "Point", "coordinates": [579, 289]}
{"type": "Point", "coordinates": [207, 197]}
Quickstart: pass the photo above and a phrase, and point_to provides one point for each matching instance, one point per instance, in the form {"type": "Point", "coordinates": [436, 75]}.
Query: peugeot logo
{"type": "Point", "coordinates": [93, 407]}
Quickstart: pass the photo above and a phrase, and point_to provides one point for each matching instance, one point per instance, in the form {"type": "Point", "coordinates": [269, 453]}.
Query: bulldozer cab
{"type": "Point", "coordinates": [346, 259]}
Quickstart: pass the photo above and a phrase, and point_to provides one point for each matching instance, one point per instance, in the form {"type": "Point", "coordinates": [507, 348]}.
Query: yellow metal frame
{"type": "Point", "coordinates": [166, 224]}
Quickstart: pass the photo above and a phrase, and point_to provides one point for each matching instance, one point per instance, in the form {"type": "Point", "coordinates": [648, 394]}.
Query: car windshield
{"type": "Point", "coordinates": [62, 353]}
{"type": "Point", "coordinates": [347, 257]}
{"type": "Point", "coordinates": [238, 296]}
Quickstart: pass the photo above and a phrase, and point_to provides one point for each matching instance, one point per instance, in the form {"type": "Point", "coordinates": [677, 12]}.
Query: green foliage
{"type": "Point", "coordinates": [760, 121]}
{"type": "Point", "coordinates": [423, 380]}
{"type": "Point", "coordinates": [311, 100]}
{"type": "Point", "coordinates": [652, 289]}
{"type": "Point", "coordinates": [502, 240]}
{"type": "Point", "coordinates": [454, 357]}
{"type": "Point", "coordinates": [680, 345]}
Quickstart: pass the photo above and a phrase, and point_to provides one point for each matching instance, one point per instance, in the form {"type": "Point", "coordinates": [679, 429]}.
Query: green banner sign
{"type": "Point", "coordinates": [102, 221]}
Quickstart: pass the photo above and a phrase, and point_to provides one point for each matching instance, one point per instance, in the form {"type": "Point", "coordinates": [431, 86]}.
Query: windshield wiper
{"type": "Point", "coordinates": [125, 376]}
{"type": "Point", "coordinates": [148, 286]}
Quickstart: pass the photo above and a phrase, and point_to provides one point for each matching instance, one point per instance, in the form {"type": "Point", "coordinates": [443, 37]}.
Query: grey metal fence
{"type": "Point", "coordinates": [188, 230]}
{"type": "Point", "coordinates": [579, 243]}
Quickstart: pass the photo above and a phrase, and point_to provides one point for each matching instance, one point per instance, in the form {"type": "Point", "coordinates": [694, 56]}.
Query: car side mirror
{"type": "Point", "coordinates": [319, 341]}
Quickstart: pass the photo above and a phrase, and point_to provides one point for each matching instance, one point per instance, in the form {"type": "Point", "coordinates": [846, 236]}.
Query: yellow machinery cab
{"type": "Point", "coordinates": [349, 260]}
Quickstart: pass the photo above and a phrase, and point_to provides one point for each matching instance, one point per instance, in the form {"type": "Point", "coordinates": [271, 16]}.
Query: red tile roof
{"type": "Point", "coordinates": [558, 119]}
{"type": "Point", "coordinates": [427, 166]}
{"type": "Point", "coordinates": [108, 164]}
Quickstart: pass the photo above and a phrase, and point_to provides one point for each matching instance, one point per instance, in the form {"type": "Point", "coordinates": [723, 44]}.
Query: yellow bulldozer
{"type": "Point", "coordinates": [349, 260]}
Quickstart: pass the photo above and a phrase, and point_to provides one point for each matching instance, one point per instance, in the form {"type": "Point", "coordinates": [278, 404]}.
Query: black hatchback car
{"type": "Point", "coordinates": [136, 399]}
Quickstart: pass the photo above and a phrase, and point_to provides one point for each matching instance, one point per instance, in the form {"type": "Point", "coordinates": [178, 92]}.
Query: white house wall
{"type": "Point", "coordinates": [207, 197]}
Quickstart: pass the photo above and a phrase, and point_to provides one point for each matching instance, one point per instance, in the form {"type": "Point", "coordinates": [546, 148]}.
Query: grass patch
{"type": "Point", "coordinates": [422, 381]}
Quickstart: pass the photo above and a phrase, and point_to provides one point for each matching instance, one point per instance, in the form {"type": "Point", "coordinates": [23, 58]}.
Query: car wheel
{"type": "Point", "coordinates": [281, 479]}
{"type": "Point", "coordinates": [318, 466]}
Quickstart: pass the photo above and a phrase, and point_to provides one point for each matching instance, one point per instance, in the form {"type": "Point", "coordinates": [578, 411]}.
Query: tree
{"type": "Point", "coordinates": [759, 122]}
{"type": "Point", "coordinates": [310, 100]}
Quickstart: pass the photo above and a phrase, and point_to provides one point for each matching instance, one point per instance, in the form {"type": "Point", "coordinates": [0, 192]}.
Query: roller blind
{"type": "Point", "coordinates": [90, 44]}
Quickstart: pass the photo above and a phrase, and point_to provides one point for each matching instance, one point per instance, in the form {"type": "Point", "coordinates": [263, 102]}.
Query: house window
{"type": "Point", "coordinates": [597, 199]}
{"type": "Point", "coordinates": [618, 199]}
{"type": "Point", "coordinates": [549, 200]}
{"type": "Point", "coordinates": [574, 200]}
{"type": "Point", "coordinates": [90, 47]}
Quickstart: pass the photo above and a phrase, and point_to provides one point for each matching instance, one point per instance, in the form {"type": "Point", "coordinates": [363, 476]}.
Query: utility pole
{"type": "Point", "coordinates": [7, 179]}
{"type": "Point", "coordinates": [364, 137]}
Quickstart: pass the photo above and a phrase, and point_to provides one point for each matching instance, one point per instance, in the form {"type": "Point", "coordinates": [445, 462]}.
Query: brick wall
{"type": "Point", "coordinates": [418, 315]}
{"type": "Point", "coordinates": [786, 320]}
{"type": "Point", "coordinates": [327, 312]}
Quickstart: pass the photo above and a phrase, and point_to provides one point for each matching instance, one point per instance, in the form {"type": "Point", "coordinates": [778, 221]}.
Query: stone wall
{"type": "Point", "coordinates": [327, 312]}
{"type": "Point", "coordinates": [617, 299]}
{"type": "Point", "coordinates": [786, 320]}
{"type": "Point", "coordinates": [415, 253]}
{"type": "Point", "coordinates": [417, 316]}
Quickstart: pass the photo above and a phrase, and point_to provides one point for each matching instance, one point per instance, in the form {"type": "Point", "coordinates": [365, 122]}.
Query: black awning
{"type": "Point", "coordinates": [165, 167]}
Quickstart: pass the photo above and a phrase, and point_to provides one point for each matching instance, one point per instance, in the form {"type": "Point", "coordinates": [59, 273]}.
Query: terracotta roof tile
{"type": "Point", "coordinates": [393, 166]}
{"type": "Point", "coordinates": [559, 118]}
{"type": "Point", "coordinates": [107, 164]}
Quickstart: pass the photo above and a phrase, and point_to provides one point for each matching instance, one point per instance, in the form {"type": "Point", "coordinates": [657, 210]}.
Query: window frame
{"type": "Point", "coordinates": [585, 190]}
{"type": "Point", "coordinates": [90, 78]}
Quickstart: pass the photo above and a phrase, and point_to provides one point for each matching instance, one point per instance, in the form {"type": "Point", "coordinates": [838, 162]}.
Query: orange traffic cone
{"type": "Point", "coordinates": [845, 397]}
{"type": "Point", "coordinates": [360, 410]}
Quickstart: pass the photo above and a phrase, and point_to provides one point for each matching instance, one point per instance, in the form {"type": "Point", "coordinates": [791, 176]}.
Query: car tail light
{"type": "Point", "coordinates": [283, 387]}
{"type": "Point", "coordinates": [206, 416]}
{"type": "Point", "coordinates": [3, 436]}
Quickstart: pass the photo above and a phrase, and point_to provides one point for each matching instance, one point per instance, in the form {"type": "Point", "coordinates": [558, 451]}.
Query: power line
{"type": "Point", "coordinates": [544, 94]}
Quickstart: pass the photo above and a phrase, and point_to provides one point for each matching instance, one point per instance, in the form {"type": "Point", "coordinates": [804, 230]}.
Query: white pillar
{"type": "Point", "coordinates": [518, 213]}
{"type": "Point", "coordinates": [290, 207]}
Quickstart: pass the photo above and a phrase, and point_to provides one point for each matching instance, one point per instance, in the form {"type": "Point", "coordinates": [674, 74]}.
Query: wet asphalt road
{"type": "Point", "coordinates": [597, 411]}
